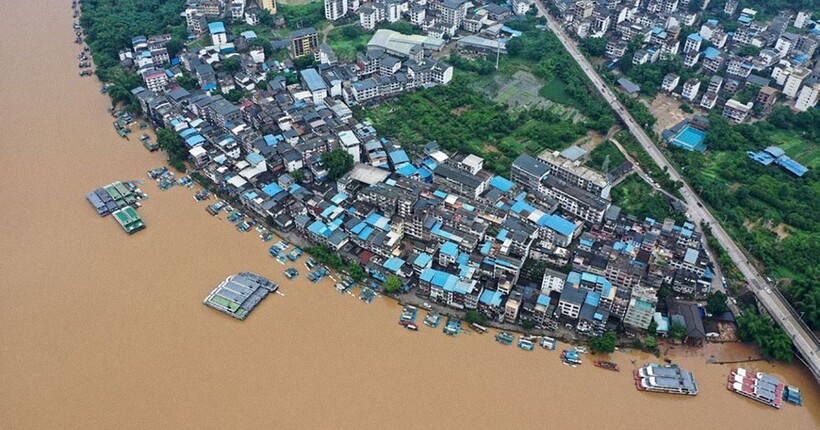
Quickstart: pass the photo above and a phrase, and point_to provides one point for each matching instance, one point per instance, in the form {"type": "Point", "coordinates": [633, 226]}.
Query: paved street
{"type": "Point", "coordinates": [805, 341]}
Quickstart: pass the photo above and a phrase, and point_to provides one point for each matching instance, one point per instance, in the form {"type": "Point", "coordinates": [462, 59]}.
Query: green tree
{"type": "Point", "coordinates": [653, 328]}
{"type": "Point", "coordinates": [677, 331]}
{"type": "Point", "coordinates": [651, 344]}
{"type": "Point", "coordinates": [528, 324]}
{"type": "Point", "coordinates": [594, 46]}
{"type": "Point", "coordinates": [604, 344]}
{"type": "Point", "coordinates": [338, 162]}
{"type": "Point", "coordinates": [187, 81]}
{"type": "Point", "coordinates": [716, 303]}
{"type": "Point", "coordinates": [231, 65]}
{"type": "Point", "coordinates": [475, 317]}
{"type": "Point", "coordinates": [356, 272]}
{"type": "Point", "coordinates": [772, 340]}
{"type": "Point", "coordinates": [392, 284]}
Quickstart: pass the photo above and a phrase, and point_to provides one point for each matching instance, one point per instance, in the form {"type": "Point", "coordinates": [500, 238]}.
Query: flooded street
{"type": "Point", "coordinates": [105, 330]}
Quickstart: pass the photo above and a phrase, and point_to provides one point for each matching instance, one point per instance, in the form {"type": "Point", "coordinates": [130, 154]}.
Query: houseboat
{"type": "Point", "coordinates": [504, 338]}
{"type": "Point", "coordinates": [548, 343]}
{"type": "Point", "coordinates": [453, 326]}
{"type": "Point", "coordinates": [408, 314]}
{"type": "Point", "coordinates": [757, 386]}
{"type": "Point", "coordinates": [432, 319]}
{"type": "Point", "coordinates": [571, 358]}
{"type": "Point", "coordinates": [669, 379]}
{"type": "Point", "coordinates": [525, 344]}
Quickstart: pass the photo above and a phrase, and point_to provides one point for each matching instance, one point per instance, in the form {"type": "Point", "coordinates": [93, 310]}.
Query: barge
{"type": "Point", "coordinates": [239, 294]}
{"type": "Point", "coordinates": [670, 379]}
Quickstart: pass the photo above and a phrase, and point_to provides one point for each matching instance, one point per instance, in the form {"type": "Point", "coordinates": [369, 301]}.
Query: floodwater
{"type": "Point", "coordinates": [105, 330]}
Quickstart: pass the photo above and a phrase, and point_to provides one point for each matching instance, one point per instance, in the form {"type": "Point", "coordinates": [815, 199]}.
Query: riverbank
{"type": "Point", "coordinates": [106, 330]}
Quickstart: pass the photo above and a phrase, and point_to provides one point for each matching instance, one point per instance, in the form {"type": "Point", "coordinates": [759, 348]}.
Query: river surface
{"type": "Point", "coordinates": [105, 330]}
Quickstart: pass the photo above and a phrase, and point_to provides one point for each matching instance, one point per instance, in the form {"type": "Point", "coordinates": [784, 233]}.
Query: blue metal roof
{"type": "Point", "coordinates": [313, 80]}
{"type": "Point", "coordinates": [695, 37]}
{"type": "Point", "coordinates": [491, 297]}
{"type": "Point", "coordinates": [501, 183]}
{"type": "Point", "coordinates": [423, 259]}
{"type": "Point", "coordinates": [711, 53]}
{"type": "Point", "coordinates": [557, 223]}
{"type": "Point", "coordinates": [393, 264]}
{"type": "Point", "coordinates": [449, 249]}
{"type": "Point", "coordinates": [272, 189]}
{"type": "Point", "coordinates": [216, 27]}
{"type": "Point", "coordinates": [254, 158]}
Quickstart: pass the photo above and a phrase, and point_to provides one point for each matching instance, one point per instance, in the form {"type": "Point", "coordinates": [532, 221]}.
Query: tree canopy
{"type": "Point", "coordinates": [392, 284]}
{"type": "Point", "coordinates": [604, 344]}
{"type": "Point", "coordinates": [716, 303]}
{"type": "Point", "coordinates": [772, 340]}
{"type": "Point", "coordinates": [338, 162]}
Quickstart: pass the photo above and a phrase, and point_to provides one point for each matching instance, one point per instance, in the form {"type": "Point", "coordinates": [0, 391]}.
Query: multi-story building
{"type": "Point", "coordinates": [641, 308]}
{"type": "Point", "coordinates": [690, 89]}
{"type": "Point", "coordinates": [155, 80]}
{"type": "Point", "coordinates": [794, 80]}
{"type": "Point", "coordinates": [303, 41]}
{"type": "Point", "coordinates": [670, 82]}
{"type": "Point", "coordinates": [219, 36]}
{"type": "Point", "coordinates": [693, 42]}
{"type": "Point", "coordinates": [766, 97]}
{"type": "Point", "coordinates": [268, 5]}
{"type": "Point", "coordinates": [736, 111]}
{"type": "Point", "coordinates": [566, 166]}
{"type": "Point", "coordinates": [529, 171]}
{"type": "Point", "coordinates": [807, 98]}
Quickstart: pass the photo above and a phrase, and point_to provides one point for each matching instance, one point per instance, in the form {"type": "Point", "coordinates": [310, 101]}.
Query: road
{"type": "Point", "coordinates": [804, 340]}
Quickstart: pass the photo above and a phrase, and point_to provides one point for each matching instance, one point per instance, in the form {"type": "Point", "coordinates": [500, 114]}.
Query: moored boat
{"type": "Point", "coordinates": [571, 358]}
{"type": "Point", "coordinates": [504, 338]}
{"type": "Point", "coordinates": [525, 344]}
{"type": "Point", "coordinates": [670, 379]}
{"type": "Point", "coordinates": [548, 343]}
{"type": "Point", "coordinates": [757, 386]}
{"type": "Point", "coordinates": [608, 365]}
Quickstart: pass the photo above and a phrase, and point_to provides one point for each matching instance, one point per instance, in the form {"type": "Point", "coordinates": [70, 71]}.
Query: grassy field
{"type": "Point", "coordinates": [635, 196]}
{"type": "Point", "coordinates": [599, 155]}
{"type": "Point", "coordinates": [798, 148]}
{"type": "Point", "coordinates": [345, 46]}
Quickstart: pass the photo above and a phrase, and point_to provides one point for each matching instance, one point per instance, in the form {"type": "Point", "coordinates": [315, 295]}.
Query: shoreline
{"type": "Point", "coordinates": [565, 336]}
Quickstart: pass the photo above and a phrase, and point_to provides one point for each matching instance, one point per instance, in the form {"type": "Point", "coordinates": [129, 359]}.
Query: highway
{"type": "Point", "coordinates": [804, 340]}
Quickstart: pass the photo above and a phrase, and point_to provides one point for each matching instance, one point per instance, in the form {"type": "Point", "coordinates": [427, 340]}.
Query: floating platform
{"type": "Point", "coordinates": [129, 220]}
{"type": "Point", "coordinates": [239, 294]}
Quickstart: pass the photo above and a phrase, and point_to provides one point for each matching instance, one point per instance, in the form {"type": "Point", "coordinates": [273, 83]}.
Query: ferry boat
{"type": "Point", "coordinates": [757, 386]}
{"type": "Point", "coordinates": [504, 338]}
{"type": "Point", "coordinates": [608, 365]}
{"type": "Point", "coordinates": [480, 329]}
{"type": "Point", "coordinates": [571, 358]}
{"type": "Point", "coordinates": [432, 319]}
{"type": "Point", "coordinates": [669, 379]}
{"type": "Point", "coordinates": [453, 326]}
{"type": "Point", "coordinates": [408, 314]}
{"type": "Point", "coordinates": [548, 343]}
{"type": "Point", "coordinates": [525, 344]}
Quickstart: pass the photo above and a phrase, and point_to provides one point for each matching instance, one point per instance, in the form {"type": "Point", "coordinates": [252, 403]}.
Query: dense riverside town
{"type": "Point", "coordinates": [448, 230]}
{"type": "Point", "coordinates": [286, 140]}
